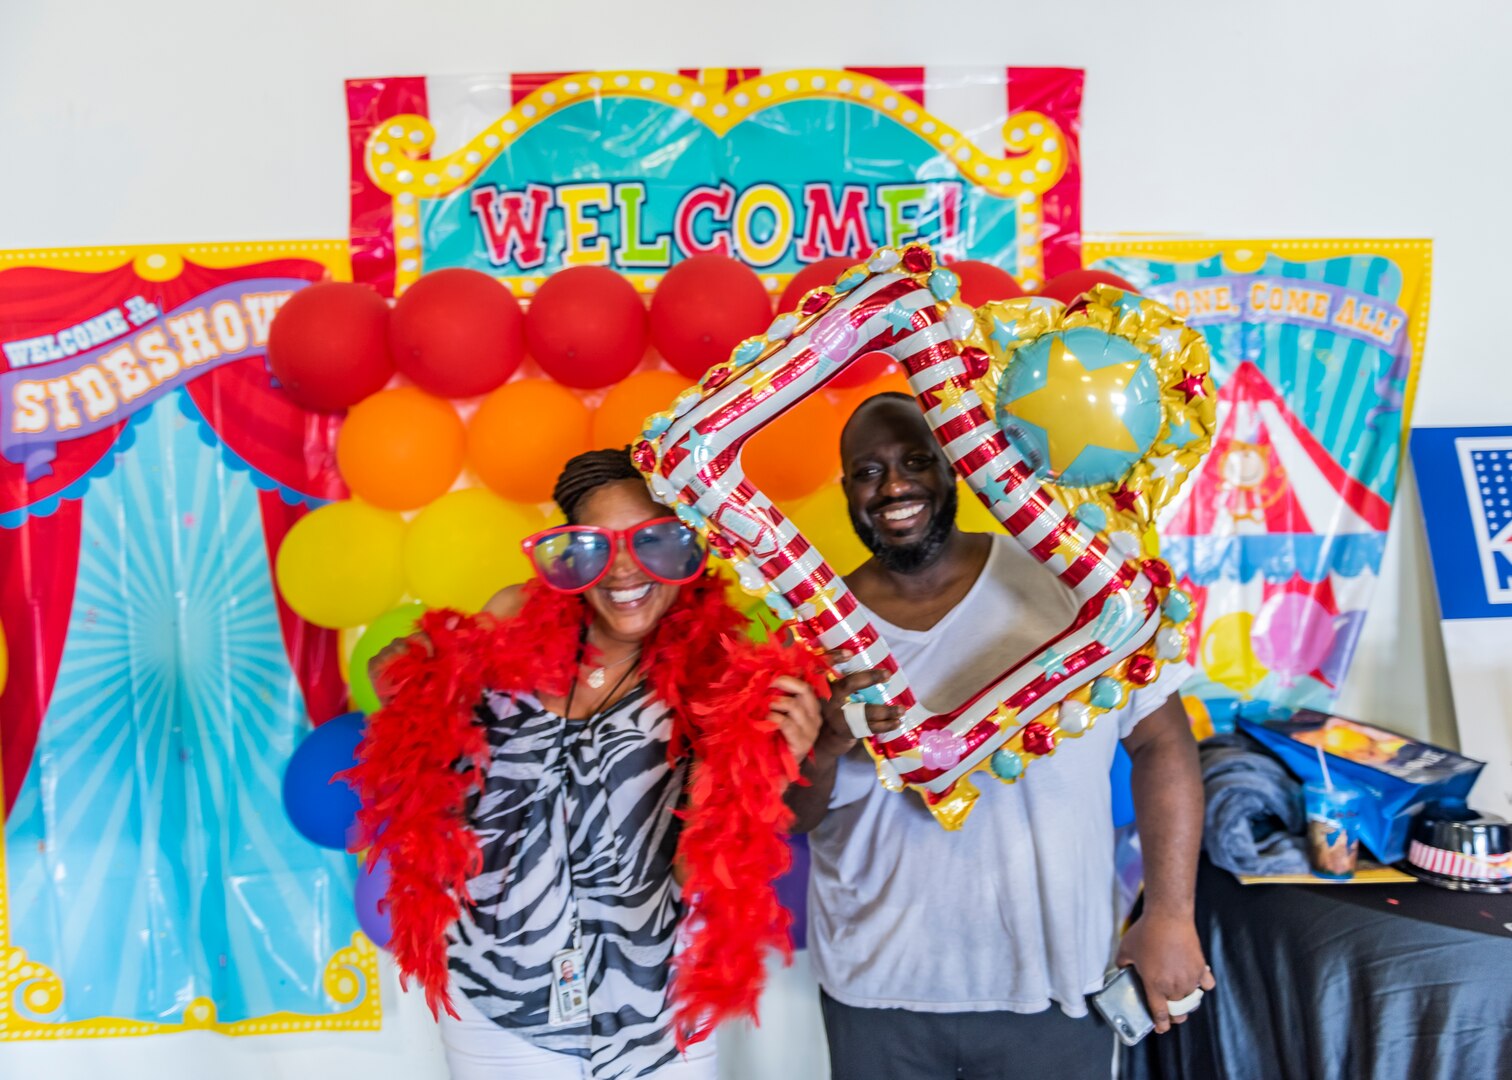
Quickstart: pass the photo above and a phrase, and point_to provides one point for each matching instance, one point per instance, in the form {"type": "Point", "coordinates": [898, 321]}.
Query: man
{"type": "Point", "coordinates": [970, 954]}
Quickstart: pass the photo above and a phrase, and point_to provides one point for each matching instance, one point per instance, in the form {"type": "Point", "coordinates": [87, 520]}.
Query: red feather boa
{"type": "Point", "coordinates": [423, 753]}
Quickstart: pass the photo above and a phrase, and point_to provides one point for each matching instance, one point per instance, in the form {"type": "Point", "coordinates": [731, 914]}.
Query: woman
{"type": "Point", "coordinates": [628, 735]}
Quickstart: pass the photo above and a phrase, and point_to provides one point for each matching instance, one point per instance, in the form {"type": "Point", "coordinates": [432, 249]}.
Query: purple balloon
{"type": "Point", "coordinates": [792, 890]}
{"type": "Point", "coordinates": [1292, 634]}
{"type": "Point", "coordinates": [1347, 627]}
{"type": "Point", "coordinates": [372, 887]}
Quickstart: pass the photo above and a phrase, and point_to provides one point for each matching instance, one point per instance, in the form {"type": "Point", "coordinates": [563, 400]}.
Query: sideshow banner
{"type": "Point", "coordinates": [150, 880]}
{"type": "Point", "coordinates": [520, 175]}
{"type": "Point", "coordinates": [1279, 536]}
{"type": "Point", "coordinates": [1465, 485]}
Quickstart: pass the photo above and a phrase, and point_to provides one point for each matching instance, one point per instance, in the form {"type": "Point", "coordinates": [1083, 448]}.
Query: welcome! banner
{"type": "Point", "coordinates": [523, 174]}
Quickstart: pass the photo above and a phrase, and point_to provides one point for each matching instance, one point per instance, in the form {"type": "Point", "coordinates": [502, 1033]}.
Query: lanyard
{"type": "Point", "coordinates": [577, 925]}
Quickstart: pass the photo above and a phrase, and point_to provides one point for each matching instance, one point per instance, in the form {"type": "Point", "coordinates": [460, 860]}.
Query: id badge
{"type": "Point", "coordinates": [569, 988]}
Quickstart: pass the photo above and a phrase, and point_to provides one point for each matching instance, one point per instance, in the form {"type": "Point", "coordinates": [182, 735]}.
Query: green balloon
{"type": "Point", "coordinates": [386, 628]}
{"type": "Point", "coordinates": [763, 623]}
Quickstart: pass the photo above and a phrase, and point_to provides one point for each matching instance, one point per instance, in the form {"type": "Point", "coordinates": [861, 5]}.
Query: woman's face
{"type": "Point", "coordinates": [628, 603]}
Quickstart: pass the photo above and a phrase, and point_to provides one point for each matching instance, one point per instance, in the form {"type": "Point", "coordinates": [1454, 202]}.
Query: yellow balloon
{"type": "Point", "coordinates": [339, 566]}
{"type": "Point", "coordinates": [1227, 656]}
{"type": "Point", "coordinates": [972, 515]}
{"type": "Point", "coordinates": [465, 546]}
{"type": "Point", "coordinates": [824, 519]}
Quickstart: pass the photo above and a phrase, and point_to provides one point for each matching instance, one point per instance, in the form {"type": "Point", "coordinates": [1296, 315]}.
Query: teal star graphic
{"type": "Point", "coordinates": [1051, 662]}
{"type": "Point", "coordinates": [1128, 304]}
{"type": "Point", "coordinates": [699, 443]}
{"type": "Point", "coordinates": [1002, 333]}
{"type": "Point", "coordinates": [899, 317]}
{"type": "Point", "coordinates": [995, 490]}
{"type": "Point", "coordinates": [1181, 434]}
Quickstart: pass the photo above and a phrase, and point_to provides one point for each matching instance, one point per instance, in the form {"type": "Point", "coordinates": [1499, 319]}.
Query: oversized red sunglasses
{"type": "Point", "coordinates": [575, 558]}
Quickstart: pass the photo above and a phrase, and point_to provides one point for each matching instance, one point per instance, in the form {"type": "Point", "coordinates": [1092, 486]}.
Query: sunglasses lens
{"type": "Point", "coordinates": [570, 560]}
{"type": "Point", "coordinates": [668, 550]}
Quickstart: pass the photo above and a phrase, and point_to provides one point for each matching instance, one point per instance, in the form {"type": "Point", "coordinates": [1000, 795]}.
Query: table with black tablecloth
{"type": "Point", "coordinates": [1344, 982]}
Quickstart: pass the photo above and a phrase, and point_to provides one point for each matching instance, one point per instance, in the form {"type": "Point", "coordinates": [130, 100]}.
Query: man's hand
{"type": "Point", "coordinates": [809, 798]}
{"type": "Point", "coordinates": [836, 740]}
{"type": "Point", "coordinates": [1164, 950]}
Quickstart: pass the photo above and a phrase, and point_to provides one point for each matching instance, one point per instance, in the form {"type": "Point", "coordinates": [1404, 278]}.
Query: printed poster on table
{"type": "Point", "coordinates": [1464, 479]}
{"type": "Point", "coordinates": [156, 684]}
{"type": "Point", "coordinates": [520, 175]}
{"type": "Point", "coordinates": [1280, 535]}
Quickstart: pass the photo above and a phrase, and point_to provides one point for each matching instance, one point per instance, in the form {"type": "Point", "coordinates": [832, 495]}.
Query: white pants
{"type": "Point", "coordinates": [479, 1049]}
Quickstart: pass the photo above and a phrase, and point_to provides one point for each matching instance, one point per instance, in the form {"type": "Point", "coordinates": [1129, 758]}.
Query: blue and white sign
{"type": "Point", "coordinates": [1464, 480]}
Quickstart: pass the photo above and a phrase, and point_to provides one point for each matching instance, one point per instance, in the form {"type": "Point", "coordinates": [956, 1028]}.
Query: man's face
{"type": "Point", "coordinates": [899, 486]}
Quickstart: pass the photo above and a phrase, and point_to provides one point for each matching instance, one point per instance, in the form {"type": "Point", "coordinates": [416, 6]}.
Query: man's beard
{"type": "Point", "coordinates": [909, 558]}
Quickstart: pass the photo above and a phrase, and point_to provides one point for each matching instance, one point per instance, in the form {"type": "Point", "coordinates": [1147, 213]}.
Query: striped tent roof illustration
{"type": "Point", "coordinates": [1270, 500]}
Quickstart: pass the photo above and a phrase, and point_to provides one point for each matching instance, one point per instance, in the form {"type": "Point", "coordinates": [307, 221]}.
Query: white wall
{"type": "Point", "coordinates": [172, 120]}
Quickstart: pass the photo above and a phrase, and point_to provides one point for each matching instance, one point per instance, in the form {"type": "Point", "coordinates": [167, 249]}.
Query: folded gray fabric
{"type": "Point", "coordinates": [1254, 822]}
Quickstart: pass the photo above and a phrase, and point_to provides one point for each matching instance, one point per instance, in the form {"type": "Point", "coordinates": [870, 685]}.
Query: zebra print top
{"type": "Point", "coordinates": [576, 824]}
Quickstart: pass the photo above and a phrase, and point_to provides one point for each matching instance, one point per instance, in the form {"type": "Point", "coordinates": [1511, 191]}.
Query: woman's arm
{"type": "Point", "coordinates": [505, 604]}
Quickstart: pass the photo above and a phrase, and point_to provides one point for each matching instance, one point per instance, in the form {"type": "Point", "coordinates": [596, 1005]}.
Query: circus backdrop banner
{"type": "Point", "coordinates": [524, 174]}
{"type": "Point", "coordinates": [157, 683]}
{"type": "Point", "coordinates": [1280, 535]}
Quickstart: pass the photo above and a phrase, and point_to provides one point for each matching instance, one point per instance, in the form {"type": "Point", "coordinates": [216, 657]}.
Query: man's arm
{"type": "Point", "coordinates": [1168, 805]}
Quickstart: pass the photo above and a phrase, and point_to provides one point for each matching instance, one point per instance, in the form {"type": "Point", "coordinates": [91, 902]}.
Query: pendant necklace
{"type": "Point", "coordinates": [598, 675]}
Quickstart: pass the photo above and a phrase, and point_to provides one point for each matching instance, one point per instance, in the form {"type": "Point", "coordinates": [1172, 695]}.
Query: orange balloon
{"type": "Point", "coordinates": [400, 448]}
{"type": "Point", "coordinates": [893, 382]}
{"type": "Point", "coordinates": [522, 435]}
{"type": "Point", "coordinates": [618, 421]}
{"type": "Point", "coordinates": [798, 453]}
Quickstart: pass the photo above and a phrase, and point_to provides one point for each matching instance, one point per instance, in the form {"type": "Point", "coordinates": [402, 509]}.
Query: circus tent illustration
{"type": "Point", "coordinates": [1271, 514]}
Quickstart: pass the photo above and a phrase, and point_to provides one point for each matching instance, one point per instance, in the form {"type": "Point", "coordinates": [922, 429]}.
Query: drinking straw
{"type": "Point", "coordinates": [1323, 761]}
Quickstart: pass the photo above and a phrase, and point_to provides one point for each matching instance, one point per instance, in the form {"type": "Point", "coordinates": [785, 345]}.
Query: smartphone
{"type": "Point", "coordinates": [1121, 1002]}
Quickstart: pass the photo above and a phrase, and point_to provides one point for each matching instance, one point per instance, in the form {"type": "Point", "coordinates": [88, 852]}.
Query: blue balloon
{"type": "Point", "coordinates": [1123, 790]}
{"type": "Point", "coordinates": [322, 808]}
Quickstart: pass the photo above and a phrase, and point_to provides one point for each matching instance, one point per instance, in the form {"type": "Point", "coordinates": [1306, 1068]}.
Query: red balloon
{"type": "Point", "coordinates": [586, 327]}
{"type": "Point", "coordinates": [982, 282]}
{"type": "Point", "coordinates": [328, 345]}
{"type": "Point", "coordinates": [1068, 286]}
{"type": "Point", "coordinates": [457, 333]}
{"type": "Point", "coordinates": [812, 276]}
{"type": "Point", "coordinates": [703, 308]}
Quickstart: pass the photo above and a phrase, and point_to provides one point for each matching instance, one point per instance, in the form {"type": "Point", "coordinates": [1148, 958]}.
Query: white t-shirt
{"type": "Point", "coordinates": [1014, 910]}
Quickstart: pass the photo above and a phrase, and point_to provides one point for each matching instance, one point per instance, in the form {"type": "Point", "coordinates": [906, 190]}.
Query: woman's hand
{"type": "Point", "coordinates": [796, 714]}
{"type": "Point", "coordinates": [382, 686]}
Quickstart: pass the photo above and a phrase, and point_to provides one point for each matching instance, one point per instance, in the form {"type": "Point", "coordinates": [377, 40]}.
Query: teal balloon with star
{"type": "Point", "coordinates": [1081, 406]}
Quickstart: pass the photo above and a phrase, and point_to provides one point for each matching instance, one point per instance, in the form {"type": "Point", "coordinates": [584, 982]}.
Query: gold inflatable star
{"type": "Point", "coordinates": [1078, 408]}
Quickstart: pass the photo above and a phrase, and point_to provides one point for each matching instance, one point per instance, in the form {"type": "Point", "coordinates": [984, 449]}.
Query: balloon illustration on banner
{"type": "Point", "coordinates": [964, 367]}
{"type": "Point", "coordinates": [1228, 655]}
{"type": "Point", "coordinates": [1293, 634]}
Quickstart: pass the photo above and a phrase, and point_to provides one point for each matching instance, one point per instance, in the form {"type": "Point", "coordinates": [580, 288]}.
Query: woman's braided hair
{"type": "Point", "coordinates": [586, 472]}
